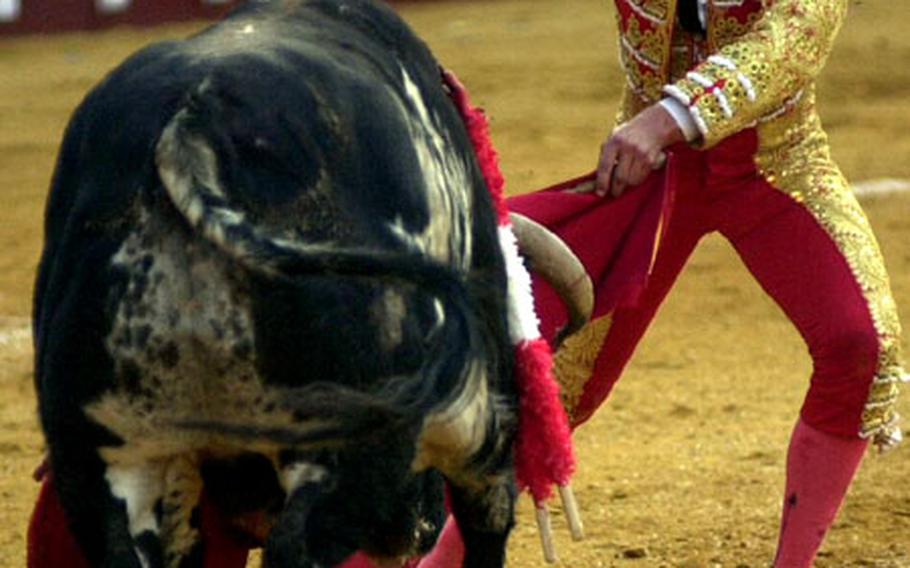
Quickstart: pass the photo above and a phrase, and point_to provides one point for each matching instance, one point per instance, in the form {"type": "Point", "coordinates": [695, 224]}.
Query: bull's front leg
{"type": "Point", "coordinates": [179, 511]}
{"type": "Point", "coordinates": [485, 517]}
{"type": "Point", "coordinates": [137, 489]}
{"type": "Point", "coordinates": [470, 443]}
{"type": "Point", "coordinates": [160, 498]}
{"type": "Point", "coordinates": [298, 540]}
{"type": "Point", "coordinates": [97, 515]}
{"type": "Point", "coordinates": [294, 541]}
{"type": "Point", "coordinates": [109, 508]}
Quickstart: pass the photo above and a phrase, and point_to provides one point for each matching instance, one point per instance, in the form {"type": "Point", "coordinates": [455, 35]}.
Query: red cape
{"type": "Point", "coordinates": [614, 238]}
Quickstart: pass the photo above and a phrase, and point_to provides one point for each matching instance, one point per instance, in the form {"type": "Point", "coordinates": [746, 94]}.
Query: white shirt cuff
{"type": "Point", "coordinates": [683, 119]}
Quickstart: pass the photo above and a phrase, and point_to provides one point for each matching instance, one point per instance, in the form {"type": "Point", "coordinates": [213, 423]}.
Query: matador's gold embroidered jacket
{"type": "Point", "coordinates": [758, 61]}
{"type": "Point", "coordinates": [756, 68]}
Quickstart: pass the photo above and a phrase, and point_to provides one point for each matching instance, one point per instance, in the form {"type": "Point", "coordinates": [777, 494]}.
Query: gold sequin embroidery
{"type": "Point", "coordinates": [574, 360]}
{"type": "Point", "coordinates": [747, 77]}
{"type": "Point", "coordinates": [642, 54]}
{"type": "Point", "coordinates": [725, 29]}
{"type": "Point", "coordinates": [654, 10]}
{"type": "Point", "coordinates": [794, 156]}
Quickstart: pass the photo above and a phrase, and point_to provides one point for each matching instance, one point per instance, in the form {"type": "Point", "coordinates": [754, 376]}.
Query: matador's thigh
{"type": "Point", "coordinates": [806, 240]}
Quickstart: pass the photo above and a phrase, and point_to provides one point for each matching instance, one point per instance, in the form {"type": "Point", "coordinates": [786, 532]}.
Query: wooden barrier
{"type": "Point", "coordinates": [51, 16]}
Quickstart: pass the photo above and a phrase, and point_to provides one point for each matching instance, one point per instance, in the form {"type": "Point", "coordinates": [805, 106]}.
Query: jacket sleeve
{"type": "Point", "coordinates": [762, 71]}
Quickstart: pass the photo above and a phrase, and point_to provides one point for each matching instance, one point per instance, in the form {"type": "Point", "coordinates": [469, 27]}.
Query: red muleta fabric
{"type": "Point", "coordinates": [614, 238]}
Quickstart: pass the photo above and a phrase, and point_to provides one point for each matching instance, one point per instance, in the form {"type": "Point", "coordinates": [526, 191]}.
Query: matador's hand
{"type": "Point", "coordinates": [635, 149]}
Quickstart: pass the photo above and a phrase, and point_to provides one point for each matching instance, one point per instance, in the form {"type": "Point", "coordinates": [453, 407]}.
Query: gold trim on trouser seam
{"type": "Point", "coordinates": [793, 156]}
{"type": "Point", "coordinates": [574, 360]}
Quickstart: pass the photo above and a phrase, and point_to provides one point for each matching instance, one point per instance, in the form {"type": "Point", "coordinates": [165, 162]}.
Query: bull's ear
{"type": "Point", "coordinates": [189, 171]}
{"type": "Point", "coordinates": [188, 168]}
{"type": "Point", "coordinates": [555, 262]}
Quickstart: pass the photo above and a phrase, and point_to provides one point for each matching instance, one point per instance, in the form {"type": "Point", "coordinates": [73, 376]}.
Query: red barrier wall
{"type": "Point", "coordinates": [49, 16]}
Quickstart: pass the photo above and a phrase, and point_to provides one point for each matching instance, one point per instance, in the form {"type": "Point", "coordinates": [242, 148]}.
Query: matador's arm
{"type": "Point", "coordinates": [762, 71]}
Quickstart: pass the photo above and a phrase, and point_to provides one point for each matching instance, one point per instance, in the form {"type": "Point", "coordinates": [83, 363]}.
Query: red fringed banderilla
{"type": "Point", "coordinates": [543, 456]}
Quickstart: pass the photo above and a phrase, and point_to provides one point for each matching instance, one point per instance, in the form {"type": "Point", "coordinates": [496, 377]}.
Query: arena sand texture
{"type": "Point", "coordinates": [684, 466]}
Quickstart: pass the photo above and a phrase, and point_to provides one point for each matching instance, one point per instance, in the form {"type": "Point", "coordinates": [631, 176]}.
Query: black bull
{"type": "Point", "coordinates": [271, 269]}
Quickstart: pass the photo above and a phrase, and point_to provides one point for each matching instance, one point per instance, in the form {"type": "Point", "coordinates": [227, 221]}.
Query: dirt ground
{"type": "Point", "coordinates": [684, 466]}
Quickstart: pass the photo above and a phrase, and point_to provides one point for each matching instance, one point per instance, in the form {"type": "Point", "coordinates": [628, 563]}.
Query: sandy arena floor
{"type": "Point", "coordinates": [684, 466]}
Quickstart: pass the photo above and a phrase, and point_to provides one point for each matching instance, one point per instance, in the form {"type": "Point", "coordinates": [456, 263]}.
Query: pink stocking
{"type": "Point", "coordinates": [820, 468]}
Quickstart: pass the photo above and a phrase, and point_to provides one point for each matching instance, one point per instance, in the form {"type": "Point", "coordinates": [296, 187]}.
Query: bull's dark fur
{"type": "Point", "coordinates": [300, 105]}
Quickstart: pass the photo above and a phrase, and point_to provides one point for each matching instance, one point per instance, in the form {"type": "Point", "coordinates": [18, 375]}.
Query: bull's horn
{"type": "Point", "coordinates": [557, 264]}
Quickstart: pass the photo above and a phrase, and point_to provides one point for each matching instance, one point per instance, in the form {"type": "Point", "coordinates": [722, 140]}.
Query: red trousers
{"type": "Point", "coordinates": [790, 254]}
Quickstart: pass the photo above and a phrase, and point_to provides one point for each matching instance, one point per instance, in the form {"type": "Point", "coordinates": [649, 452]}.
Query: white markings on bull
{"type": "Point", "coordinates": [388, 314]}
{"type": "Point", "coordinates": [298, 474]}
{"type": "Point", "coordinates": [246, 38]}
{"type": "Point", "coordinates": [181, 341]}
{"type": "Point", "coordinates": [229, 216]}
{"type": "Point", "coordinates": [398, 229]}
{"type": "Point", "coordinates": [141, 487]}
{"type": "Point", "coordinates": [185, 161]}
{"type": "Point", "coordinates": [183, 348]}
{"type": "Point", "coordinates": [182, 491]}
{"type": "Point", "coordinates": [452, 435]}
{"type": "Point", "coordinates": [440, 315]}
{"type": "Point", "coordinates": [447, 236]}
